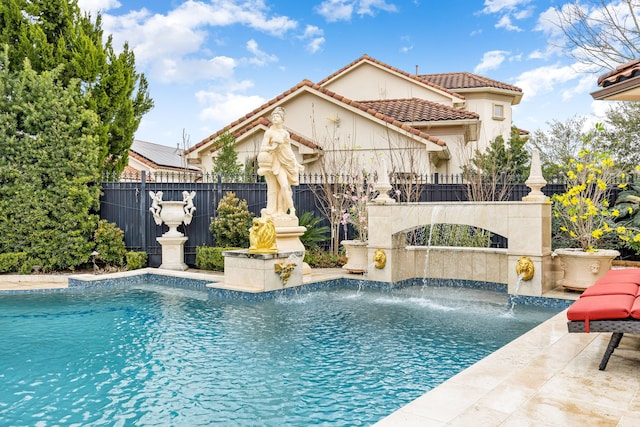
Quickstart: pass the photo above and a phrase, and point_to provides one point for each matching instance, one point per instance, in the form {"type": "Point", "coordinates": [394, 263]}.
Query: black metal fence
{"type": "Point", "coordinates": [125, 201]}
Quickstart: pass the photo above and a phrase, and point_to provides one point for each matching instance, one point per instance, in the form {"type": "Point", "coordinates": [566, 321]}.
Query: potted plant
{"type": "Point", "coordinates": [358, 192]}
{"type": "Point", "coordinates": [584, 216]}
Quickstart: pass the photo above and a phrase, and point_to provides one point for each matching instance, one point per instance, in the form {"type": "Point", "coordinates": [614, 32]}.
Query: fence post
{"type": "Point", "coordinates": [219, 186]}
{"type": "Point", "coordinates": [143, 210]}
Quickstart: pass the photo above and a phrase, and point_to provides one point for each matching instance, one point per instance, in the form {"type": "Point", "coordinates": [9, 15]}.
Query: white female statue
{"type": "Point", "coordinates": [278, 164]}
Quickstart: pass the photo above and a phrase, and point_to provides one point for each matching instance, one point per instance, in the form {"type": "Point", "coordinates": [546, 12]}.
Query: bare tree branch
{"type": "Point", "coordinates": [599, 33]}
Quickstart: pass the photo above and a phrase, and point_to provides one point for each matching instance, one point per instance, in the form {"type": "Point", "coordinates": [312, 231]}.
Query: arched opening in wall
{"type": "Point", "coordinates": [458, 235]}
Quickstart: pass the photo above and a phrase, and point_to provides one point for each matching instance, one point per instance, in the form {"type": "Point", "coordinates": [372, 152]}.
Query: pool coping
{"type": "Point", "coordinates": [214, 282]}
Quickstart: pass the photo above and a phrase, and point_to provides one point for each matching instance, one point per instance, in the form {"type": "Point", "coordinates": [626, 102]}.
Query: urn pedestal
{"type": "Point", "coordinates": [173, 253]}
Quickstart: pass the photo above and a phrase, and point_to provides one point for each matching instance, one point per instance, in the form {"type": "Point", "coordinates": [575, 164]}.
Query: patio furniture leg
{"type": "Point", "coordinates": [613, 344]}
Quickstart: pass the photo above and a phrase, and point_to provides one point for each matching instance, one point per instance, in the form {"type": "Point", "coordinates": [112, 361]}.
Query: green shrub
{"type": "Point", "coordinates": [458, 235]}
{"type": "Point", "coordinates": [230, 227]}
{"type": "Point", "coordinates": [210, 258]}
{"type": "Point", "coordinates": [136, 260]}
{"type": "Point", "coordinates": [109, 241]}
{"type": "Point", "coordinates": [11, 262]}
{"type": "Point", "coordinates": [49, 184]}
{"type": "Point", "coordinates": [28, 264]}
{"type": "Point", "coordinates": [323, 259]}
{"type": "Point", "coordinates": [314, 233]}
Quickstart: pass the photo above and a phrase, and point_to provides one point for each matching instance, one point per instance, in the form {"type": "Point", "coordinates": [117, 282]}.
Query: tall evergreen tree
{"type": "Point", "coordinates": [49, 153]}
{"type": "Point", "coordinates": [502, 158]}
{"type": "Point", "coordinates": [490, 174]}
{"type": "Point", "coordinates": [54, 33]}
{"type": "Point", "coordinates": [227, 159]}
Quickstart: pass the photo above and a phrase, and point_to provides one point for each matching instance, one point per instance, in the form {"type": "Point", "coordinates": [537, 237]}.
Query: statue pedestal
{"type": "Point", "coordinates": [173, 253]}
{"type": "Point", "coordinates": [288, 234]}
{"type": "Point", "coordinates": [257, 272]}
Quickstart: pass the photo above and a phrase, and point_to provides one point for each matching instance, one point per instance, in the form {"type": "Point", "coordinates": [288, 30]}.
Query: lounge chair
{"type": "Point", "coordinates": [612, 304]}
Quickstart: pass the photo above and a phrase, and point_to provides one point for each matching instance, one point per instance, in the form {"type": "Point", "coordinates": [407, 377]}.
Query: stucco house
{"type": "Point", "coordinates": [156, 159]}
{"type": "Point", "coordinates": [419, 123]}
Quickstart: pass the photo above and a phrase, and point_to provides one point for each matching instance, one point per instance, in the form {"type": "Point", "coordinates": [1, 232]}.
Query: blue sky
{"type": "Point", "coordinates": [209, 62]}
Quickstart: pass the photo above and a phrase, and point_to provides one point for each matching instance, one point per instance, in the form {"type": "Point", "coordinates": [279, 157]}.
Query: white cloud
{"type": "Point", "coordinates": [312, 31]}
{"type": "Point", "coordinates": [94, 6]}
{"type": "Point", "coordinates": [508, 11]}
{"type": "Point", "coordinates": [335, 10]}
{"type": "Point", "coordinates": [343, 10]}
{"type": "Point", "coordinates": [259, 58]}
{"type": "Point", "coordinates": [315, 37]}
{"type": "Point", "coordinates": [544, 79]}
{"type": "Point", "coordinates": [179, 37]}
{"type": "Point", "coordinates": [600, 108]}
{"type": "Point", "coordinates": [315, 45]}
{"type": "Point", "coordinates": [169, 70]}
{"type": "Point", "coordinates": [505, 22]}
{"type": "Point", "coordinates": [490, 61]}
{"type": "Point", "coordinates": [406, 49]}
{"type": "Point", "coordinates": [548, 23]}
{"type": "Point", "coordinates": [367, 7]}
{"type": "Point", "coordinates": [498, 6]}
{"type": "Point", "coordinates": [536, 54]}
{"type": "Point", "coordinates": [583, 86]}
{"type": "Point", "coordinates": [224, 108]}
{"type": "Point", "coordinates": [407, 44]}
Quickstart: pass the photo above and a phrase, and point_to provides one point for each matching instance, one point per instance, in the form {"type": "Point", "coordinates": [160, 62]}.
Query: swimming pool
{"type": "Point", "coordinates": [163, 355]}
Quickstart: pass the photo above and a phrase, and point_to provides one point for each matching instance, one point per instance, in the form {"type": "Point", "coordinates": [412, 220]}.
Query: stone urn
{"type": "Point", "coordinates": [357, 252]}
{"type": "Point", "coordinates": [172, 214]}
{"type": "Point", "coordinates": [582, 269]}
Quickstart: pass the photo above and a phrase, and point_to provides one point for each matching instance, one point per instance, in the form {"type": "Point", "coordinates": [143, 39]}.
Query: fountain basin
{"type": "Point", "coordinates": [258, 271]}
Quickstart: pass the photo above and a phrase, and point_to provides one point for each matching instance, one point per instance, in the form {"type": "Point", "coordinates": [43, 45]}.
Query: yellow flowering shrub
{"type": "Point", "coordinates": [583, 210]}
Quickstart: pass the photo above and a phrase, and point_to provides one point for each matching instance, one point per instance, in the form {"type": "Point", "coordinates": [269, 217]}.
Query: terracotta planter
{"type": "Point", "coordinates": [582, 269]}
{"type": "Point", "coordinates": [356, 256]}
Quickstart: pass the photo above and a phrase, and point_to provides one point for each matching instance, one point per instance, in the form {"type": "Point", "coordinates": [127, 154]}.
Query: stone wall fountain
{"type": "Point", "coordinates": [173, 213]}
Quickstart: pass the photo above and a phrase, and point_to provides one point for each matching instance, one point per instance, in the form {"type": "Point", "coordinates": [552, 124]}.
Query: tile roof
{"type": "Point", "coordinates": [465, 80]}
{"type": "Point", "coordinates": [620, 73]}
{"type": "Point", "coordinates": [310, 85]}
{"type": "Point", "coordinates": [394, 69]}
{"type": "Point", "coordinates": [418, 110]}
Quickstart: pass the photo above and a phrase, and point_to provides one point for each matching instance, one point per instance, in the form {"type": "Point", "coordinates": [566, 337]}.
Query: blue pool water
{"type": "Point", "coordinates": [151, 355]}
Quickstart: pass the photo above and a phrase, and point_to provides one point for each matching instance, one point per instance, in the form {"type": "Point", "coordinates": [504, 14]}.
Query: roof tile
{"type": "Point", "coordinates": [465, 80]}
{"type": "Point", "coordinates": [620, 73]}
{"type": "Point", "coordinates": [417, 110]}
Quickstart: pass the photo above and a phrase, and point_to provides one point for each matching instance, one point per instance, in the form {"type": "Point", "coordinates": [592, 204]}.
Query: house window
{"type": "Point", "coordinates": [498, 112]}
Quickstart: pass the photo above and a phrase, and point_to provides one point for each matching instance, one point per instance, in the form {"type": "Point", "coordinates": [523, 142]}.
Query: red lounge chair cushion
{"type": "Point", "coordinates": [601, 307]}
{"type": "Point", "coordinates": [635, 309]}
{"type": "Point", "coordinates": [631, 275]}
{"type": "Point", "coordinates": [612, 288]}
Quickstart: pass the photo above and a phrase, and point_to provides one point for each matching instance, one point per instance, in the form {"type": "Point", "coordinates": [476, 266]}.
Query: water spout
{"type": "Point", "coordinates": [514, 297]}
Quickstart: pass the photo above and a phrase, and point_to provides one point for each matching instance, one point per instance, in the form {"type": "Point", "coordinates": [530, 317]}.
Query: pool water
{"type": "Point", "coordinates": [152, 355]}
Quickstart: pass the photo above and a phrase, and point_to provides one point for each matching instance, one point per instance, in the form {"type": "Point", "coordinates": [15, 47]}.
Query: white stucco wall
{"type": "Point", "coordinates": [368, 82]}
